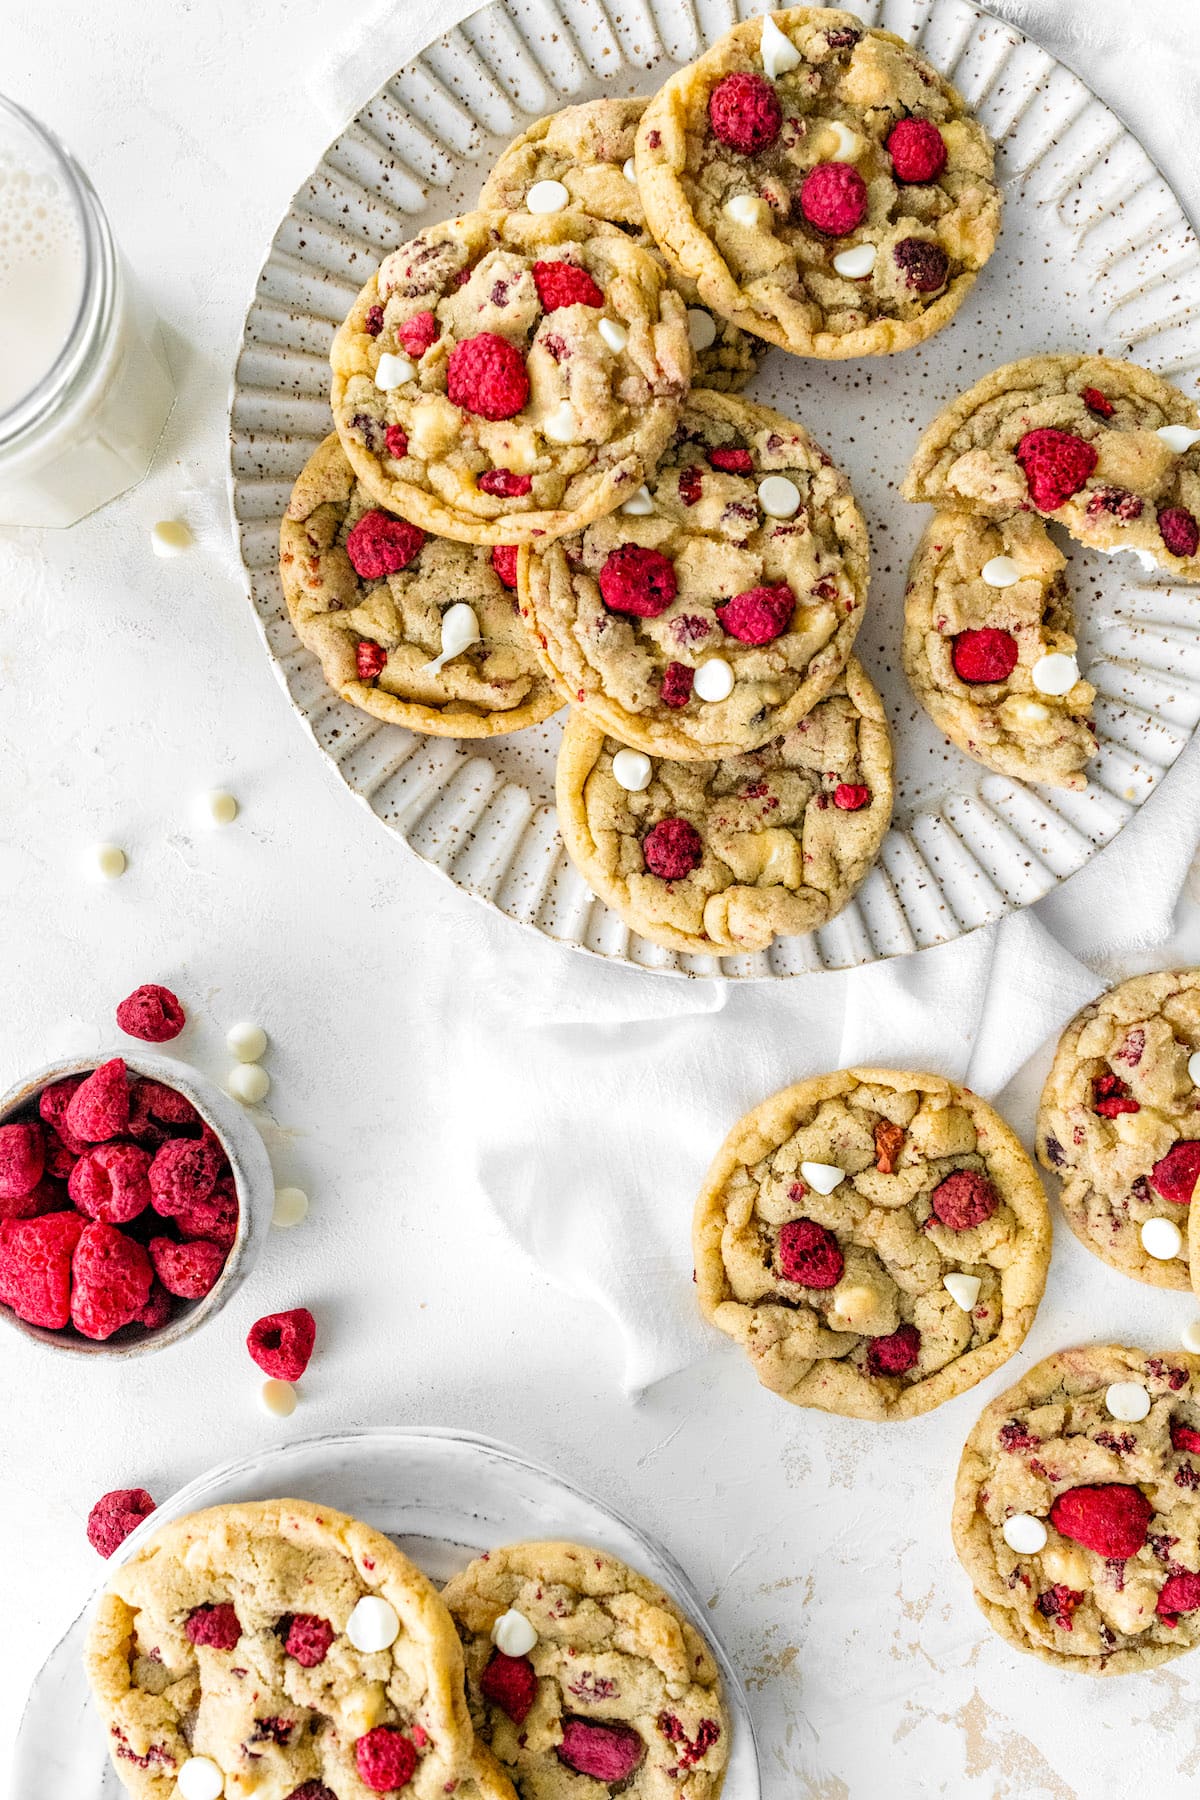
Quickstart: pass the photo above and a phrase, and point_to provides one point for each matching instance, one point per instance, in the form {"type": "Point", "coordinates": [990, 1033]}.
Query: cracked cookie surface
{"type": "Point", "coordinates": [845, 1299]}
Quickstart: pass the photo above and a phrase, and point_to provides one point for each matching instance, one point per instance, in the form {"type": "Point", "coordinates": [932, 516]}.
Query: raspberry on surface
{"type": "Point", "coordinates": [504, 561]}
{"type": "Point", "coordinates": [486, 375]}
{"type": "Point", "coordinates": [510, 1683]}
{"type": "Point", "coordinates": [985, 655]}
{"type": "Point", "coordinates": [308, 1639]}
{"type": "Point", "coordinates": [1057, 465]}
{"type": "Point", "coordinates": [923, 264]}
{"type": "Point", "coordinates": [189, 1271]}
{"type": "Point", "coordinates": [809, 1254]}
{"type": "Point", "coordinates": [1179, 1593]}
{"type": "Point", "coordinates": [385, 1759]}
{"type": "Point", "coordinates": [183, 1171]}
{"type": "Point", "coordinates": [114, 1516]}
{"type": "Point", "coordinates": [731, 459]}
{"type": "Point", "coordinates": [760, 615]}
{"type": "Point", "coordinates": [1179, 531]}
{"type": "Point", "coordinates": [395, 442]}
{"type": "Point", "coordinates": [744, 112]}
{"type": "Point", "coordinates": [1111, 1520]}
{"type": "Point", "coordinates": [52, 1106]}
{"type": "Point", "coordinates": [151, 1013]}
{"type": "Point", "coordinates": [917, 149]}
{"type": "Point", "coordinates": [677, 683]}
{"type": "Point", "coordinates": [851, 796]}
{"type": "Point", "coordinates": [609, 1753]}
{"type": "Point", "coordinates": [504, 483]}
{"type": "Point", "coordinates": [638, 581]}
{"type": "Point", "coordinates": [1174, 1176]}
{"type": "Point", "coordinates": [418, 333]}
{"type": "Point", "coordinates": [370, 660]}
{"type": "Point", "coordinates": [216, 1627]}
{"type": "Point", "coordinates": [35, 1267]}
{"type": "Point", "coordinates": [565, 284]}
{"type": "Point", "coordinates": [99, 1107]}
{"type": "Point", "coordinates": [22, 1158]}
{"type": "Point", "coordinates": [833, 198]}
{"type": "Point", "coordinates": [672, 849]}
{"type": "Point", "coordinates": [111, 1278]}
{"type": "Point", "coordinates": [111, 1183]}
{"type": "Point", "coordinates": [1097, 403]}
{"type": "Point", "coordinates": [896, 1354]}
{"type": "Point", "coordinates": [381, 545]}
{"type": "Point", "coordinates": [281, 1343]}
{"type": "Point", "coordinates": [964, 1200]}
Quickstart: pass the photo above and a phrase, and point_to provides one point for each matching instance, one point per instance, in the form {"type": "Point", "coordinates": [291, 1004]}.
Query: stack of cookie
{"type": "Point", "coordinates": [544, 488]}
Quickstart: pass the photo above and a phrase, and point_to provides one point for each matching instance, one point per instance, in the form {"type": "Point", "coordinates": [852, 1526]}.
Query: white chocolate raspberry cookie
{"type": "Point", "coordinates": [505, 378]}
{"type": "Point", "coordinates": [420, 631]}
{"type": "Point", "coordinates": [820, 183]}
{"type": "Point", "coordinates": [1119, 1124]}
{"type": "Point", "coordinates": [1107, 449]}
{"type": "Point", "coordinates": [281, 1648]}
{"type": "Point", "coordinates": [713, 610]}
{"type": "Point", "coordinates": [582, 158]}
{"type": "Point", "coordinates": [720, 858]}
{"type": "Point", "coordinates": [1077, 1510]}
{"type": "Point", "coordinates": [586, 1680]}
{"type": "Point", "coordinates": [989, 647]}
{"type": "Point", "coordinates": [876, 1241]}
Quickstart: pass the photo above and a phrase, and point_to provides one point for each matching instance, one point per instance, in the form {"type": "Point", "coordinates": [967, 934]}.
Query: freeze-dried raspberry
{"type": "Point", "coordinates": [308, 1639]}
{"type": "Point", "coordinates": [637, 581]}
{"type": "Point", "coordinates": [380, 544]}
{"type": "Point", "coordinates": [282, 1343]}
{"type": "Point", "coordinates": [1183, 1437]}
{"type": "Point", "coordinates": [184, 1170]}
{"type": "Point", "coordinates": [187, 1270]}
{"type": "Point", "coordinates": [690, 1750]}
{"type": "Point", "coordinates": [691, 485]}
{"type": "Point", "coordinates": [35, 1267]}
{"type": "Point", "coordinates": [1014, 1436]}
{"type": "Point", "coordinates": [1111, 1520]}
{"type": "Point", "coordinates": [889, 1141]}
{"type": "Point", "coordinates": [59, 1160]}
{"type": "Point", "coordinates": [52, 1105]}
{"type": "Point", "coordinates": [1110, 1096]}
{"type": "Point", "coordinates": [370, 660]}
{"type": "Point", "coordinates": [156, 1100]}
{"type": "Point", "coordinates": [157, 1310]}
{"type": "Point", "coordinates": [1175, 1175]}
{"type": "Point", "coordinates": [1115, 500]}
{"type": "Point", "coordinates": [1058, 1603]}
{"type": "Point", "coordinates": [1179, 531]}
{"type": "Point", "coordinates": [22, 1158]}
{"type": "Point", "coordinates": [510, 1683]}
{"type": "Point", "coordinates": [395, 442]}
{"type": "Point", "coordinates": [563, 284]}
{"type": "Point", "coordinates": [672, 849]}
{"type": "Point", "coordinates": [46, 1197]}
{"type": "Point", "coordinates": [964, 1200]}
{"type": "Point", "coordinates": [217, 1627]}
{"type": "Point", "coordinates": [744, 112]}
{"type": "Point", "coordinates": [1097, 403]}
{"type": "Point", "coordinates": [115, 1515]}
{"type": "Point", "coordinates": [732, 459]}
{"type": "Point", "coordinates": [486, 375]}
{"type": "Point", "coordinates": [609, 1753]}
{"type": "Point", "coordinates": [111, 1277]}
{"type": "Point", "coordinates": [111, 1183]}
{"type": "Point", "coordinates": [504, 483]}
{"type": "Point", "coordinates": [678, 679]}
{"type": "Point", "coordinates": [851, 796]}
{"type": "Point", "coordinates": [312, 1790]}
{"type": "Point", "coordinates": [833, 198]}
{"type": "Point", "coordinates": [215, 1218]}
{"type": "Point", "coordinates": [760, 615]}
{"type": "Point", "coordinates": [917, 149]}
{"type": "Point", "coordinates": [99, 1107]}
{"type": "Point", "coordinates": [809, 1254]}
{"type": "Point", "coordinates": [986, 655]}
{"type": "Point", "coordinates": [1179, 1594]}
{"type": "Point", "coordinates": [418, 333]}
{"type": "Point", "coordinates": [504, 561]}
{"type": "Point", "coordinates": [385, 1759]}
{"type": "Point", "coordinates": [151, 1013]}
{"type": "Point", "coordinates": [923, 264]}
{"type": "Point", "coordinates": [1056, 464]}
{"type": "Point", "coordinates": [896, 1354]}
{"type": "Point", "coordinates": [373, 323]}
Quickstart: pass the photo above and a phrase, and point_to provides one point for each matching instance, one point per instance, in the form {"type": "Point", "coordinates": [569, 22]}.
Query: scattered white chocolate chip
{"type": "Point", "coordinates": [778, 497]}
{"type": "Point", "coordinates": [822, 1178]}
{"type": "Point", "coordinates": [1000, 571]}
{"type": "Point", "coordinates": [614, 333]}
{"type": "Point", "coordinates": [460, 629]}
{"type": "Point", "coordinates": [1147, 559]}
{"type": "Point", "coordinates": [562, 425]}
{"type": "Point", "coordinates": [846, 144]}
{"type": "Point", "coordinates": [1194, 1068]}
{"type": "Point", "coordinates": [291, 1207]}
{"type": "Point", "coordinates": [277, 1398]}
{"type": "Point", "coordinates": [714, 679]}
{"type": "Point", "coordinates": [856, 263]}
{"type": "Point", "coordinates": [962, 1289]}
{"type": "Point", "coordinates": [1178, 437]}
{"type": "Point", "coordinates": [199, 1778]}
{"type": "Point", "coordinates": [249, 1083]}
{"type": "Point", "coordinates": [220, 807]}
{"type": "Point", "coordinates": [1189, 1337]}
{"type": "Point", "coordinates": [170, 537]}
{"type": "Point", "coordinates": [393, 371]}
{"type": "Point", "coordinates": [639, 504]}
{"type": "Point", "coordinates": [701, 328]}
{"type": "Point", "coordinates": [109, 861]}
{"type": "Point", "coordinates": [744, 209]}
{"type": "Point", "coordinates": [1054, 673]}
{"type": "Point", "coordinates": [373, 1625]}
{"type": "Point", "coordinates": [632, 771]}
{"type": "Point", "coordinates": [629, 170]}
{"type": "Point", "coordinates": [1127, 1400]}
{"type": "Point", "coordinates": [547, 197]}
{"type": "Point", "coordinates": [248, 1042]}
{"type": "Point", "coordinates": [1024, 1534]}
{"type": "Point", "coordinates": [1161, 1239]}
{"type": "Point", "coordinates": [777, 51]}
{"type": "Point", "coordinates": [513, 1635]}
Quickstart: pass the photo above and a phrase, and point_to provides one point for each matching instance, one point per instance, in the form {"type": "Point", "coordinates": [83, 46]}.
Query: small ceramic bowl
{"type": "Point", "coordinates": [252, 1178]}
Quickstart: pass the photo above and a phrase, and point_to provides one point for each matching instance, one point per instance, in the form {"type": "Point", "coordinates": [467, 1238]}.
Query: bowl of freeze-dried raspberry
{"type": "Point", "coordinates": [134, 1198]}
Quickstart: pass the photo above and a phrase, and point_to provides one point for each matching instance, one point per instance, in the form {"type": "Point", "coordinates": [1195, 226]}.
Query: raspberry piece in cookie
{"type": "Point", "coordinates": [486, 375]}
{"type": "Point", "coordinates": [678, 681]}
{"type": "Point", "coordinates": [189, 1270]}
{"type": "Point", "coordinates": [1111, 1519]}
{"type": "Point", "coordinates": [637, 580]}
{"type": "Point", "coordinates": [1179, 530]}
{"type": "Point", "coordinates": [672, 849]}
{"type": "Point", "coordinates": [382, 545]}
{"type": "Point", "coordinates": [760, 615]}
{"type": "Point", "coordinates": [510, 1683]}
{"type": "Point", "coordinates": [1097, 403]}
{"type": "Point", "coordinates": [809, 1254]}
{"type": "Point", "coordinates": [418, 333]}
{"type": "Point", "coordinates": [1183, 1437]}
{"type": "Point", "coordinates": [151, 1013]}
{"type": "Point", "coordinates": [114, 1516]}
{"type": "Point", "coordinates": [731, 459]}
{"type": "Point", "coordinates": [22, 1159]}
{"type": "Point", "coordinates": [504, 561]}
{"type": "Point", "coordinates": [111, 1183]}
{"type": "Point", "coordinates": [923, 264]}
{"type": "Point", "coordinates": [308, 1639]}
{"type": "Point", "coordinates": [184, 1171]}
{"type": "Point", "coordinates": [395, 442]}
{"type": "Point", "coordinates": [99, 1107]}
{"type": "Point", "coordinates": [1057, 465]}
{"type": "Point", "coordinates": [609, 1753]}
{"type": "Point", "coordinates": [964, 1200]}
{"type": "Point", "coordinates": [35, 1267]}
{"type": "Point", "coordinates": [851, 796]}
{"type": "Point", "coordinates": [1175, 1175]}
{"type": "Point", "coordinates": [833, 198]}
{"type": "Point", "coordinates": [370, 660]}
{"type": "Point", "coordinates": [282, 1343]}
{"type": "Point", "coordinates": [744, 112]}
{"type": "Point", "coordinates": [216, 1627]}
{"type": "Point", "coordinates": [565, 284]}
{"type": "Point", "coordinates": [507, 485]}
{"type": "Point", "coordinates": [385, 1759]}
{"type": "Point", "coordinates": [986, 655]}
{"type": "Point", "coordinates": [917, 149]}
{"type": "Point", "coordinates": [896, 1353]}
{"type": "Point", "coordinates": [111, 1277]}
{"type": "Point", "coordinates": [1178, 1594]}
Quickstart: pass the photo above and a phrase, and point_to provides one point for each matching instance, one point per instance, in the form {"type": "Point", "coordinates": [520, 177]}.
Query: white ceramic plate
{"type": "Point", "coordinates": [442, 1496]}
{"type": "Point", "coordinates": [1096, 254]}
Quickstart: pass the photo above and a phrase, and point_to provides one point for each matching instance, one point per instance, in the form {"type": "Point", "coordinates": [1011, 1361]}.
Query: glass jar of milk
{"type": "Point", "coordinates": [84, 385]}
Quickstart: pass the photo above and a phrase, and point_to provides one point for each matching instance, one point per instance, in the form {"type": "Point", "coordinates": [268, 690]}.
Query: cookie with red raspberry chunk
{"type": "Point", "coordinates": [876, 1241]}
{"type": "Point", "coordinates": [799, 134]}
{"type": "Point", "coordinates": [1114, 1586]}
{"type": "Point", "coordinates": [625, 1688]}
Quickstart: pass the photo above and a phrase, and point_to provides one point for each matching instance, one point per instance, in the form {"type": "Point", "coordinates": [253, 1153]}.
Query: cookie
{"type": "Point", "coordinates": [504, 378]}
{"type": "Point", "coordinates": [599, 1685]}
{"type": "Point", "coordinates": [820, 183]}
{"type": "Point", "coordinates": [286, 1644]}
{"type": "Point", "coordinates": [720, 858]}
{"type": "Point", "coordinates": [1077, 1511]}
{"type": "Point", "coordinates": [582, 158]}
{"type": "Point", "coordinates": [989, 647]}
{"type": "Point", "coordinates": [1119, 1124]}
{"type": "Point", "coordinates": [716, 608]}
{"type": "Point", "coordinates": [380, 604]}
{"type": "Point", "coordinates": [1106, 449]}
{"type": "Point", "coordinates": [876, 1241]}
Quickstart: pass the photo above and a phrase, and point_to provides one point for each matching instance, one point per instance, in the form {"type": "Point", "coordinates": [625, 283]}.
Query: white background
{"type": "Point", "coordinates": [130, 687]}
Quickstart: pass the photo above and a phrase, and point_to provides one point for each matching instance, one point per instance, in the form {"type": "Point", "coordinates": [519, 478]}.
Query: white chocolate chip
{"type": "Point", "coordinates": [393, 371]}
{"type": "Point", "coordinates": [220, 807]}
{"type": "Point", "coordinates": [1189, 1337]}
{"type": "Point", "coordinates": [1127, 1400]}
{"type": "Point", "coordinates": [615, 334]}
{"type": "Point", "coordinates": [640, 504]}
{"type": "Point", "coordinates": [373, 1625]}
{"type": "Point", "coordinates": [109, 861]}
{"type": "Point", "coordinates": [199, 1778]}
{"type": "Point", "coordinates": [1194, 1068]}
{"type": "Point", "coordinates": [856, 263]}
{"type": "Point", "coordinates": [778, 52]}
{"type": "Point", "coordinates": [845, 145]}
{"type": "Point", "coordinates": [547, 197]}
{"type": "Point", "coordinates": [1054, 673]}
{"type": "Point", "coordinates": [171, 537]}
{"type": "Point", "coordinates": [248, 1042]}
{"type": "Point", "coordinates": [629, 170]}
{"type": "Point", "coordinates": [277, 1398]}
{"type": "Point", "coordinates": [632, 771]}
{"type": "Point", "coordinates": [1024, 1534]}
{"type": "Point", "coordinates": [1178, 437]}
{"type": "Point", "coordinates": [714, 679]}
{"type": "Point", "coordinates": [249, 1083]}
{"type": "Point", "coordinates": [460, 629]}
{"type": "Point", "coordinates": [962, 1289]}
{"type": "Point", "coordinates": [562, 425]}
{"type": "Point", "coordinates": [778, 497]}
{"type": "Point", "coordinates": [744, 209]}
{"type": "Point", "coordinates": [513, 1635]}
{"type": "Point", "coordinates": [1000, 571]}
{"type": "Point", "coordinates": [1161, 1239]}
{"type": "Point", "coordinates": [291, 1207]}
{"type": "Point", "coordinates": [701, 328]}
{"type": "Point", "coordinates": [1147, 558]}
{"type": "Point", "coordinates": [822, 1178]}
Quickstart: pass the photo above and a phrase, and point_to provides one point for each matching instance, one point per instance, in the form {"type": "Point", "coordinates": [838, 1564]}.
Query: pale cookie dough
{"type": "Point", "coordinates": [558, 410]}
{"type": "Point", "coordinates": [876, 1241]}
{"type": "Point", "coordinates": [1113, 1589]}
{"type": "Point", "coordinates": [588, 151]}
{"type": "Point", "coordinates": [986, 605]}
{"type": "Point", "coordinates": [750, 581]}
{"type": "Point", "coordinates": [1101, 446]}
{"type": "Point", "coordinates": [290, 1699]}
{"type": "Point", "coordinates": [378, 635]}
{"type": "Point", "coordinates": [619, 1694]}
{"type": "Point", "coordinates": [778, 840]}
{"type": "Point", "coordinates": [852, 260]}
{"type": "Point", "coordinates": [1119, 1122]}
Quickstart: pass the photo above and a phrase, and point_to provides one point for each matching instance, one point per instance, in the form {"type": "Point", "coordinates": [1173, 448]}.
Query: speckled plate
{"type": "Point", "coordinates": [1096, 254]}
{"type": "Point", "coordinates": [443, 1496]}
